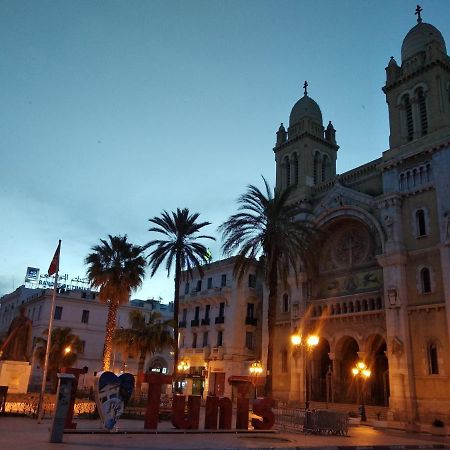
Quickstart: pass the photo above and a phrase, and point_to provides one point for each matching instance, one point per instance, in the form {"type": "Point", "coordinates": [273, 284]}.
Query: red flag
{"type": "Point", "coordinates": [54, 265]}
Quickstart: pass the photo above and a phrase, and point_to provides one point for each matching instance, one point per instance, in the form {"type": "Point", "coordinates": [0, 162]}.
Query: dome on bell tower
{"type": "Point", "coordinates": [419, 37]}
{"type": "Point", "coordinates": [305, 107]}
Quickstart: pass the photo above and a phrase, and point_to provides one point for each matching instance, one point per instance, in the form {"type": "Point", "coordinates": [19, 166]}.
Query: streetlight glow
{"type": "Point", "coordinates": [361, 365]}
{"type": "Point", "coordinates": [67, 350]}
{"type": "Point", "coordinates": [355, 371]}
{"type": "Point", "coordinates": [312, 340]}
{"type": "Point", "coordinates": [296, 339]}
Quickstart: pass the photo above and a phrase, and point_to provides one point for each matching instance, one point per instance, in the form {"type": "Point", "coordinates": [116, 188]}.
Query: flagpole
{"type": "Point", "coordinates": [47, 351]}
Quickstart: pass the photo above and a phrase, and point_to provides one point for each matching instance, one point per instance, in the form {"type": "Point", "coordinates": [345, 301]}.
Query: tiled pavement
{"type": "Point", "coordinates": [27, 434]}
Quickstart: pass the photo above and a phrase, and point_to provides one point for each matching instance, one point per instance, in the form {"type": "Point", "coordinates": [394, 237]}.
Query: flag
{"type": "Point", "coordinates": [54, 265]}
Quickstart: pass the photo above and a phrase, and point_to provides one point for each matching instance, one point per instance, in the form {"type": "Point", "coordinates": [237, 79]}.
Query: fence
{"type": "Point", "coordinates": [288, 418]}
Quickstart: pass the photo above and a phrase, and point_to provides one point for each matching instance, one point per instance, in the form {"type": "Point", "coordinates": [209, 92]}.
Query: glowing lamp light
{"type": "Point", "coordinates": [183, 366]}
{"type": "Point", "coordinates": [296, 339]}
{"type": "Point", "coordinates": [361, 366]}
{"type": "Point", "coordinates": [355, 371]}
{"type": "Point", "coordinates": [256, 368]}
{"type": "Point", "coordinates": [312, 340]}
{"type": "Point", "coordinates": [366, 373]}
{"type": "Point", "coordinates": [67, 350]}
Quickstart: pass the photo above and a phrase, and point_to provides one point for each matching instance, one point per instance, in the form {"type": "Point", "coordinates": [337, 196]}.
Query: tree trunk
{"type": "Point", "coordinates": [271, 316]}
{"type": "Point", "coordinates": [176, 300]}
{"type": "Point", "coordinates": [139, 371]}
{"type": "Point", "coordinates": [110, 328]}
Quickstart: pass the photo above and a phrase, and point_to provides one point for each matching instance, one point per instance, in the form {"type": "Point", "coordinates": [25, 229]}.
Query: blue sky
{"type": "Point", "coordinates": [111, 111]}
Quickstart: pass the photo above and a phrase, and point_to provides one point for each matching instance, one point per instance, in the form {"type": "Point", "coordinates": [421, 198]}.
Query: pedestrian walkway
{"type": "Point", "coordinates": [27, 434]}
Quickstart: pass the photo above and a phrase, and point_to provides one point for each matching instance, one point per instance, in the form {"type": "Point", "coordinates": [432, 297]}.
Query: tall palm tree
{"type": "Point", "coordinates": [178, 245]}
{"type": "Point", "coordinates": [64, 349]}
{"type": "Point", "coordinates": [117, 268]}
{"type": "Point", "coordinates": [144, 337]}
{"type": "Point", "coordinates": [267, 227]}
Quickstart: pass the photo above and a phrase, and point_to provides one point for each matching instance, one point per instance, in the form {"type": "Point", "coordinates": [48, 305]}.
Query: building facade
{"type": "Point", "coordinates": [381, 293]}
{"type": "Point", "coordinates": [81, 311]}
{"type": "Point", "coordinates": [220, 329]}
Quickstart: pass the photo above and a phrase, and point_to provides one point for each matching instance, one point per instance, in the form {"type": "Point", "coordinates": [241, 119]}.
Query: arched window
{"type": "Point", "coordinates": [420, 223]}
{"type": "Point", "coordinates": [287, 171]}
{"type": "Point", "coordinates": [402, 181]}
{"type": "Point", "coordinates": [316, 167]}
{"type": "Point", "coordinates": [408, 117]}
{"type": "Point", "coordinates": [425, 280]}
{"type": "Point", "coordinates": [422, 111]}
{"type": "Point", "coordinates": [285, 303]}
{"type": "Point", "coordinates": [295, 168]}
{"type": "Point", "coordinates": [433, 364]}
{"type": "Point", "coordinates": [324, 167]}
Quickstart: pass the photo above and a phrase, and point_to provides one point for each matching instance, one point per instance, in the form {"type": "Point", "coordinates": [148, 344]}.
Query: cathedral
{"type": "Point", "coordinates": [381, 293]}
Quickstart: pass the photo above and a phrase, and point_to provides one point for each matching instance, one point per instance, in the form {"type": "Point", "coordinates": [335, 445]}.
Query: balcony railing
{"type": "Point", "coordinates": [355, 305]}
{"type": "Point", "coordinates": [182, 324]}
{"type": "Point", "coordinates": [195, 323]}
{"type": "Point", "coordinates": [205, 321]}
{"type": "Point", "coordinates": [251, 321]}
{"type": "Point", "coordinates": [220, 319]}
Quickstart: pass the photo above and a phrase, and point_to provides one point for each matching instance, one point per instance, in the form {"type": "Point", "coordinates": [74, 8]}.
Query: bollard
{"type": "Point", "coordinates": [63, 396]}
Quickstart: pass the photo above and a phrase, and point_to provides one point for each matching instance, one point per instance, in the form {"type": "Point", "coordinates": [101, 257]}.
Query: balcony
{"type": "Point", "coordinates": [182, 324]}
{"type": "Point", "coordinates": [251, 321]}
{"type": "Point", "coordinates": [219, 319]}
{"type": "Point", "coordinates": [195, 323]}
{"type": "Point", "coordinates": [205, 321]}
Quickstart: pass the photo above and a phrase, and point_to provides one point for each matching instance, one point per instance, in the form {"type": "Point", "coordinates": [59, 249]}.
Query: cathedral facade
{"type": "Point", "coordinates": [381, 292]}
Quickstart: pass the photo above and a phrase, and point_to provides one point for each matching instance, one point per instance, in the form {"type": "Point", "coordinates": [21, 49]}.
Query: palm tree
{"type": "Point", "coordinates": [117, 268]}
{"type": "Point", "coordinates": [144, 337]}
{"type": "Point", "coordinates": [179, 244]}
{"type": "Point", "coordinates": [64, 349]}
{"type": "Point", "coordinates": [267, 226]}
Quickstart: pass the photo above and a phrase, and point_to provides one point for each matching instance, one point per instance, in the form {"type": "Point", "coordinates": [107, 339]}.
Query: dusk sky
{"type": "Point", "coordinates": [111, 111]}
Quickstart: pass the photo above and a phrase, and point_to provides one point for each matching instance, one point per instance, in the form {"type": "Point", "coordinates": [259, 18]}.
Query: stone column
{"type": "Point", "coordinates": [403, 401]}
{"type": "Point", "coordinates": [335, 377]}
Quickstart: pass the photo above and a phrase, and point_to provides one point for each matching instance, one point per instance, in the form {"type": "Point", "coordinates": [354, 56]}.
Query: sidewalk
{"type": "Point", "coordinates": [27, 434]}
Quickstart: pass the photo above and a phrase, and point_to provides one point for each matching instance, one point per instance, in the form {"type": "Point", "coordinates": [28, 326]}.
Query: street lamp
{"type": "Point", "coordinates": [307, 345]}
{"type": "Point", "coordinates": [255, 370]}
{"type": "Point", "coordinates": [183, 368]}
{"type": "Point", "coordinates": [67, 350]}
{"type": "Point", "coordinates": [361, 374]}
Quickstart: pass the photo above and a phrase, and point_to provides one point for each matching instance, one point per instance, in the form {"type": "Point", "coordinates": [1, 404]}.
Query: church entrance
{"type": "Point", "coordinates": [378, 385]}
{"type": "Point", "coordinates": [320, 372]}
{"type": "Point", "coordinates": [346, 389]}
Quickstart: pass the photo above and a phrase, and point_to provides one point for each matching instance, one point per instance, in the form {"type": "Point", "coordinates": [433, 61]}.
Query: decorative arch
{"type": "Point", "coordinates": [158, 364]}
{"type": "Point", "coordinates": [357, 213]}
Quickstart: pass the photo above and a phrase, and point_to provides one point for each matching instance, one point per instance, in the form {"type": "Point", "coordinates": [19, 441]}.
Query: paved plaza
{"type": "Point", "coordinates": [27, 434]}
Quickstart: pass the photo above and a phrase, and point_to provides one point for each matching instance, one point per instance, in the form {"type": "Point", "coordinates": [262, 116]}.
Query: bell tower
{"type": "Point", "coordinates": [306, 153]}
{"type": "Point", "coordinates": [418, 91]}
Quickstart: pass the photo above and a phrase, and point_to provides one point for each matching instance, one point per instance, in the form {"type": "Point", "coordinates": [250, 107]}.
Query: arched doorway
{"type": "Point", "coordinates": [378, 390]}
{"type": "Point", "coordinates": [158, 365]}
{"type": "Point", "coordinates": [320, 370]}
{"type": "Point", "coordinates": [346, 389]}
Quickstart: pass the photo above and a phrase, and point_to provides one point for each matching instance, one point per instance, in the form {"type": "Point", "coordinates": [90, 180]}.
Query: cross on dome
{"type": "Point", "coordinates": [305, 87]}
{"type": "Point", "coordinates": [417, 13]}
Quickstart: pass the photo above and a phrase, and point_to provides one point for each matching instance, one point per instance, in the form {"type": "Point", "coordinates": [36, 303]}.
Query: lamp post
{"type": "Point", "coordinates": [361, 374]}
{"type": "Point", "coordinates": [183, 368]}
{"type": "Point", "coordinates": [255, 370]}
{"type": "Point", "coordinates": [307, 345]}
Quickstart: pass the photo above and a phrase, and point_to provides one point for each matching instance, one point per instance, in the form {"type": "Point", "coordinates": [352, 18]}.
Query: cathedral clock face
{"type": "Point", "coordinates": [352, 247]}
